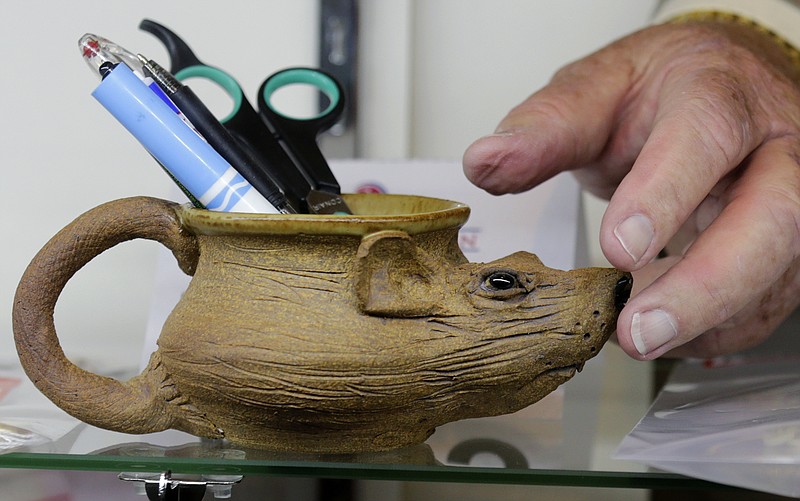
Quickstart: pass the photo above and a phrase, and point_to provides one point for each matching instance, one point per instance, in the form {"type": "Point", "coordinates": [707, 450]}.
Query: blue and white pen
{"type": "Point", "coordinates": [185, 155]}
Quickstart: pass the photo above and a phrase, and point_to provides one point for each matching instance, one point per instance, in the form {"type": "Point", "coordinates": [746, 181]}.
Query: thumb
{"type": "Point", "coordinates": [565, 125]}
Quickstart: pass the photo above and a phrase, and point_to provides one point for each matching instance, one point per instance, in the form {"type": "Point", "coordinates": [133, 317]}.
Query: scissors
{"type": "Point", "coordinates": [286, 146]}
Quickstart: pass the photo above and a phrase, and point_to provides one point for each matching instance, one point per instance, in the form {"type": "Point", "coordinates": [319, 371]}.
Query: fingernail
{"type": "Point", "coordinates": [635, 234]}
{"type": "Point", "coordinates": [651, 330]}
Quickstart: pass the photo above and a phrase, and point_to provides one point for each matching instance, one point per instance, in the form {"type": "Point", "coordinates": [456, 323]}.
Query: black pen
{"type": "Point", "coordinates": [217, 135]}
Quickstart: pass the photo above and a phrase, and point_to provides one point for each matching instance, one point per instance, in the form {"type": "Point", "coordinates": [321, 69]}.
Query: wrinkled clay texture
{"type": "Point", "coordinates": [326, 334]}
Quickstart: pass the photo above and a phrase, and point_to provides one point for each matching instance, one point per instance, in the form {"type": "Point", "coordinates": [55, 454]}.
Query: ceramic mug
{"type": "Point", "coordinates": [322, 333]}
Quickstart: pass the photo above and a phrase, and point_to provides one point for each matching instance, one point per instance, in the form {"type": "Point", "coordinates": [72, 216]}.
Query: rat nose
{"type": "Point", "coordinates": [622, 291]}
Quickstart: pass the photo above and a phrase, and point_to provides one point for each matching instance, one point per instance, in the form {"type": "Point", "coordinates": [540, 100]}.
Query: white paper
{"type": "Point", "coordinates": [543, 221]}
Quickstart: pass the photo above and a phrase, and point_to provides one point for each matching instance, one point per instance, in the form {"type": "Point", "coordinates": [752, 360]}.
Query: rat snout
{"type": "Point", "coordinates": [622, 291]}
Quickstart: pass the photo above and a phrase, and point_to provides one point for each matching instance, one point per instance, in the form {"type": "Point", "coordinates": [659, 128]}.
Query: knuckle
{"type": "Point", "coordinates": [784, 208]}
{"type": "Point", "coordinates": [722, 110]}
{"type": "Point", "coordinates": [718, 305]}
{"type": "Point", "coordinates": [781, 198]}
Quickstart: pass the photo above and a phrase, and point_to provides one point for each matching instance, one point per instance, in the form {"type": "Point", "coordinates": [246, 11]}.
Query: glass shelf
{"type": "Point", "coordinates": [360, 471]}
{"type": "Point", "coordinates": [564, 440]}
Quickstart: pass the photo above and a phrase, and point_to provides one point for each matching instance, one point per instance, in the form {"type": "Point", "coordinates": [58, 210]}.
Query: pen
{"type": "Point", "coordinates": [97, 53]}
{"type": "Point", "coordinates": [187, 157]}
{"type": "Point", "coordinates": [217, 135]}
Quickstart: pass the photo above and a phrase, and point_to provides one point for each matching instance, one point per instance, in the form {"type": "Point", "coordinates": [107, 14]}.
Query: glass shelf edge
{"type": "Point", "coordinates": [449, 474]}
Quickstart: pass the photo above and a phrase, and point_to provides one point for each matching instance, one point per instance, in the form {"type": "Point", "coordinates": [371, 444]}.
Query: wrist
{"type": "Point", "coordinates": [789, 49]}
{"type": "Point", "coordinates": [780, 18]}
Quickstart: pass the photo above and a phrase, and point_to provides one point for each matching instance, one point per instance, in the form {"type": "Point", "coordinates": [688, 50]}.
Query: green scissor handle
{"type": "Point", "coordinates": [286, 146]}
{"type": "Point", "coordinates": [224, 80]}
{"type": "Point", "coordinates": [316, 78]}
{"type": "Point", "coordinates": [299, 135]}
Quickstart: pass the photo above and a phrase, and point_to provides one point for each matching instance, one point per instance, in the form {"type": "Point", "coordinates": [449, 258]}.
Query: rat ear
{"type": "Point", "coordinates": [393, 277]}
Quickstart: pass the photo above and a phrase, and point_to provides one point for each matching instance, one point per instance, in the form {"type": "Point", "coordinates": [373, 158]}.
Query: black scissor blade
{"type": "Point", "coordinates": [324, 202]}
{"type": "Point", "coordinates": [180, 55]}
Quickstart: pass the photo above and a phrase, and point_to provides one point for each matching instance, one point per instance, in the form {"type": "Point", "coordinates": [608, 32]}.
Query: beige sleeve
{"type": "Point", "coordinates": [780, 16]}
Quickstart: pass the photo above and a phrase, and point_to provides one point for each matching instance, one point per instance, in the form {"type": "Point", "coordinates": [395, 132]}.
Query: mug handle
{"type": "Point", "coordinates": [145, 403]}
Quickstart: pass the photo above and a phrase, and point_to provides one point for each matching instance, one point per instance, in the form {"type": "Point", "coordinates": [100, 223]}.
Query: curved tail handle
{"type": "Point", "coordinates": [144, 404]}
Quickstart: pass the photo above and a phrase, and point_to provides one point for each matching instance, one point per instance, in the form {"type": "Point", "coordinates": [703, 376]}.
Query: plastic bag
{"type": "Point", "coordinates": [734, 421]}
{"type": "Point", "coordinates": [28, 420]}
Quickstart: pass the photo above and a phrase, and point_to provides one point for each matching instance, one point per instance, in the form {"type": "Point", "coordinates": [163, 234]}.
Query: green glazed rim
{"type": "Point", "coordinates": [371, 212]}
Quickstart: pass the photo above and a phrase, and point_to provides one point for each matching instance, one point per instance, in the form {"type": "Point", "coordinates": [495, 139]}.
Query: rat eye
{"type": "Point", "coordinates": [501, 281]}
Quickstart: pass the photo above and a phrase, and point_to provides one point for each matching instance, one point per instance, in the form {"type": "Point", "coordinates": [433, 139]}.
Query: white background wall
{"type": "Point", "coordinates": [435, 75]}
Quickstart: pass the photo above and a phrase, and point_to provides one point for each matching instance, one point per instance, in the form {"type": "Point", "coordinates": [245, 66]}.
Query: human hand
{"type": "Point", "coordinates": [693, 132]}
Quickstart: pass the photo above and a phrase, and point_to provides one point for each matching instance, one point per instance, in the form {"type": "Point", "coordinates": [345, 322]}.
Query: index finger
{"type": "Point", "coordinates": [704, 128]}
{"type": "Point", "coordinates": [745, 250]}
